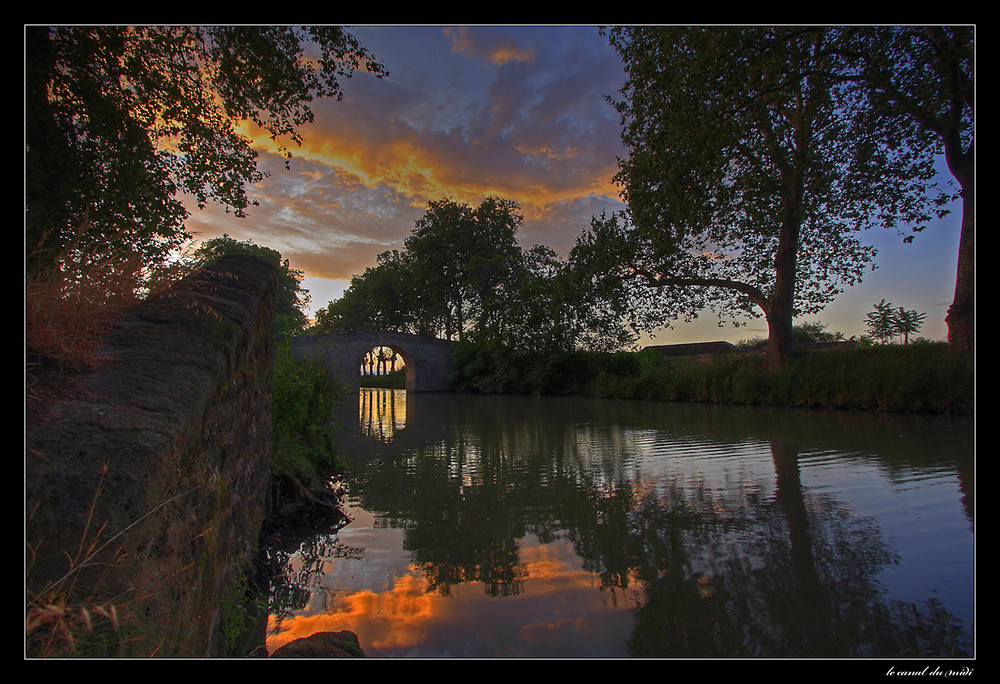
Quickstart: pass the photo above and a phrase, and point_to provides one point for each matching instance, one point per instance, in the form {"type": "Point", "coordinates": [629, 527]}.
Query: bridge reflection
{"type": "Point", "coordinates": [379, 423]}
{"type": "Point", "coordinates": [381, 413]}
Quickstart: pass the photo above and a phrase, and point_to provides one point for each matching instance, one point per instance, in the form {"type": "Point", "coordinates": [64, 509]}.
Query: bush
{"type": "Point", "coordinates": [914, 378]}
{"type": "Point", "coordinates": [303, 429]}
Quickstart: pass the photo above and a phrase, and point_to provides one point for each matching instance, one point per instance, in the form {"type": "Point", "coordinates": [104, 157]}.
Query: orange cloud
{"type": "Point", "coordinates": [498, 49]}
{"type": "Point", "coordinates": [484, 114]}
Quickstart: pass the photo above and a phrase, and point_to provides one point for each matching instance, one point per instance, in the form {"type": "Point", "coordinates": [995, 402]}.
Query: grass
{"type": "Point", "coordinates": [70, 304]}
{"type": "Point", "coordinates": [923, 378]}
{"type": "Point", "coordinates": [60, 624]}
{"type": "Point", "coordinates": [394, 380]}
{"type": "Point", "coordinates": [918, 378]}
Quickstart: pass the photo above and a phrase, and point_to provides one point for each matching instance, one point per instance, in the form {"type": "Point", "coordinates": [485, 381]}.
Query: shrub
{"type": "Point", "coordinates": [303, 429]}
{"type": "Point", "coordinates": [924, 377]}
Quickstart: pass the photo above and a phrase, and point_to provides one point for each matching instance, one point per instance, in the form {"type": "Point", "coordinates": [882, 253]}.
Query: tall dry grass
{"type": "Point", "coordinates": [70, 304]}
{"type": "Point", "coordinates": [56, 622]}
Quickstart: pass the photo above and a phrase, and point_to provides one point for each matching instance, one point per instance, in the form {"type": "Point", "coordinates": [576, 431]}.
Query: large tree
{"type": "Point", "coordinates": [383, 297]}
{"type": "Point", "coordinates": [121, 121]}
{"type": "Point", "coordinates": [751, 166]}
{"type": "Point", "coordinates": [463, 274]}
{"type": "Point", "coordinates": [462, 260]}
{"type": "Point", "coordinates": [924, 75]}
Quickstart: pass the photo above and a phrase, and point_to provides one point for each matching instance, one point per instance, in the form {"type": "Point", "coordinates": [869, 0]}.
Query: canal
{"type": "Point", "coordinates": [485, 526]}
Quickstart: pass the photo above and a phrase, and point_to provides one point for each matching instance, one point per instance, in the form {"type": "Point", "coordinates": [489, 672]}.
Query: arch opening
{"type": "Point", "coordinates": [387, 366]}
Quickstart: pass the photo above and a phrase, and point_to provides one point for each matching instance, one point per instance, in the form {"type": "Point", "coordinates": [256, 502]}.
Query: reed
{"type": "Point", "coordinates": [57, 622]}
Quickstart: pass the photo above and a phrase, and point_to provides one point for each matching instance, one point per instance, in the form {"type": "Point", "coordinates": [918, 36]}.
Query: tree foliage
{"type": "Point", "coordinates": [887, 322]}
{"type": "Point", "coordinates": [922, 78]}
{"type": "Point", "coordinates": [463, 275]}
{"type": "Point", "coordinates": [380, 298]}
{"type": "Point", "coordinates": [752, 165]}
{"type": "Point", "coordinates": [290, 311]}
{"type": "Point", "coordinates": [463, 258]}
{"type": "Point", "coordinates": [122, 121]}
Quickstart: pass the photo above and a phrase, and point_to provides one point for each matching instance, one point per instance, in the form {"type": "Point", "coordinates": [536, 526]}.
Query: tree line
{"type": "Point", "coordinates": [757, 155]}
{"type": "Point", "coordinates": [462, 275]}
{"type": "Point", "coordinates": [756, 159]}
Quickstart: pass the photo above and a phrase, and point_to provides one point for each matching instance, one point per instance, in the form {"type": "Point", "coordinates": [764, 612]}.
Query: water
{"type": "Point", "coordinates": [573, 527]}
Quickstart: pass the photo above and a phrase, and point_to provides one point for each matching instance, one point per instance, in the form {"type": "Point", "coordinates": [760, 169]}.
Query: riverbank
{"type": "Point", "coordinates": [915, 378]}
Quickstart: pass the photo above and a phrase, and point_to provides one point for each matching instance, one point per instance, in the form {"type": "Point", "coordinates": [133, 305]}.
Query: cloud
{"type": "Point", "coordinates": [516, 112]}
{"type": "Point", "coordinates": [465, 113]}
{"type": "Point", "coordinates": [490, 45]}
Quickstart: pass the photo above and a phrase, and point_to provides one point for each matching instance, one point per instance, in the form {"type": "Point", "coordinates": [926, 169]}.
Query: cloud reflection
{"type": "Point", "coordinates": [408, 615]}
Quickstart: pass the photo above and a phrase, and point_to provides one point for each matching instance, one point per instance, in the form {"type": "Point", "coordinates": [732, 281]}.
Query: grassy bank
{"type": "Point", "coordinates": [919, 378]}
{"type": "Point", "coordinates": [394, 380]}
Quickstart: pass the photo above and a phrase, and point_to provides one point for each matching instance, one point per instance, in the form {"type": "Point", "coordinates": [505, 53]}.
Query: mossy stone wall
{"type": "Point", "coordinates": [147, 486]}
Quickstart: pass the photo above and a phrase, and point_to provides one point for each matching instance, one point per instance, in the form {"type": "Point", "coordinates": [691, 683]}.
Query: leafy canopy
{"type": "Point", "coordinates": [122, 121]}
{"type": "Point", "coordinates": [752, 164]}
{"type": "Point", "coordinates": [464, 275]}
{"type": "Point", "coordinates": [924, 77]}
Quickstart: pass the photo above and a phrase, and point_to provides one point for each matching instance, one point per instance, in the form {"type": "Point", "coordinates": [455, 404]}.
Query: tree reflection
{"type": "Point", "coordinates": [382, 413]}
{"type": "Point", "coordinates": [296, 582]}
{"type": "Point", "coordinates": [796, 576]}
{"type": "Point", "coordinates": [759, 567]}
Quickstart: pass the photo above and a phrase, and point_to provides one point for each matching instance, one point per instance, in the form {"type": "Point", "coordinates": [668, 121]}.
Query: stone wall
{"type": "Point", "coordinates": [147, 486]}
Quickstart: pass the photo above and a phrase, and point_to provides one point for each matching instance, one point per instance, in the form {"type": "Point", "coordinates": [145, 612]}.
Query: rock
{"type": "Point", "coordinates": [343, 644]}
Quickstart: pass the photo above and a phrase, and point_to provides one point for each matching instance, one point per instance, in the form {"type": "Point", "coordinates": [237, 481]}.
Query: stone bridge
{"type": "Point", "coordinates": [426, 358]}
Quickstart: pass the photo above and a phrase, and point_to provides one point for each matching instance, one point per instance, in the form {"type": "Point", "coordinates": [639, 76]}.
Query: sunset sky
{"type": "Point", "coordinates": [516, 112]}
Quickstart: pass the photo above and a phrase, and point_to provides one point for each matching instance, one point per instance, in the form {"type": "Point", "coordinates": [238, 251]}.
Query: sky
{"type": "Point", "coordinates": [517, 112]}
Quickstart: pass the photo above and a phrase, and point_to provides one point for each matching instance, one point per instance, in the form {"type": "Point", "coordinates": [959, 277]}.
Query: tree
{"type": "Point", "coordinates": [751, 167]}
{"type": "Point", "coordinates": [290, 316]}
{"type": "Point", "coordinates": [120, 121]}
{"type": "Point", "coordinates": [462, 260]}
{"type": "Point", "coordinates": [881, 323]}
{"type": "Point", "coordinates": [463, 274]}
{"type": "Point", "coordinates": [887, 322]}
{"type": "Point", "coordinates": [923, 76]}
{"type": "Point", "coordinates": [381, 298]}
{"type": "Point", "coordinates": [908, 322]}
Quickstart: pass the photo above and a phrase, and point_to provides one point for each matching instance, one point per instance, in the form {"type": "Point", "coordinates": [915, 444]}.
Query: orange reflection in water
{"type": "Point", "coordinates": [407, 615]}
{"type": "Point", "coordinates": [391, 619]}
{"type": "Point", "coordinates": [381, 412]}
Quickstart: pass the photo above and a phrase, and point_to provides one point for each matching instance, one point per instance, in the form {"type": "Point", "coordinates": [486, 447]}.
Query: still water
{"type": "Point", "coordinates": [575, 527]}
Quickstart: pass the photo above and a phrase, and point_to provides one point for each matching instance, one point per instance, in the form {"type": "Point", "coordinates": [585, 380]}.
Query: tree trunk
{"type": "Point", "coordinates": [961, 318]}
{"type": "Point", "coordinates": [779, 310]}
{"type": "Point", "coordinates": [779, 339]}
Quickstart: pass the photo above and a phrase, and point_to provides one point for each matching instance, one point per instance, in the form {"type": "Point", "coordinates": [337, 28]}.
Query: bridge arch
{"type": "Point", "coordinates": [426, 358]}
